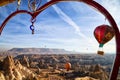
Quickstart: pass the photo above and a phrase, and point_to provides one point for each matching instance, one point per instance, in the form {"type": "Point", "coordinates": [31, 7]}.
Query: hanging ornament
{"type": "Point", "coordinates": [103, 34]}
{"type": "Point", "coordinates": [33, 5]}
{"type": "Point", "coordinates": [18, 4]}
{"type": "Point", "coordinates": [32, 28]}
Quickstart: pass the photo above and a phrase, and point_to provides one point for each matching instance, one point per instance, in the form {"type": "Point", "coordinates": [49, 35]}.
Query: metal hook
{"type": "Point", "coordinates": [33, 20]}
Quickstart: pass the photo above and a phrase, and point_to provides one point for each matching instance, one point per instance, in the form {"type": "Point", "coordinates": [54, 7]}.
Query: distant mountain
{"type": "Point", "coordinates": [16, 51]}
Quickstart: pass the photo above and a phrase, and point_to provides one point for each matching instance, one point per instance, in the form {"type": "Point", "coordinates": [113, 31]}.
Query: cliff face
{"type": "Point", "coordinates": [13, 70]}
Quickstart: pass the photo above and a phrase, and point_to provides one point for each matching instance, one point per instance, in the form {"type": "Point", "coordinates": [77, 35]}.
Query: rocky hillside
{"type": "Point", "coordinates": [47, 67]}
{"type": "Point", "coordinates": [13, 70]}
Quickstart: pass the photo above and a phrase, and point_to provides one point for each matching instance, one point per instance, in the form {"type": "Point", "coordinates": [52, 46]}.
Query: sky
{"type": "Point", "coordinates": [65, 25]}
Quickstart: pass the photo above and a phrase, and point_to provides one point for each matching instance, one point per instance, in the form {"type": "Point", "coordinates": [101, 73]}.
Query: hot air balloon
{"type": "Point", "coordinates": [103, 34]}
{"type": "Point", "coordinates": [67, 66]}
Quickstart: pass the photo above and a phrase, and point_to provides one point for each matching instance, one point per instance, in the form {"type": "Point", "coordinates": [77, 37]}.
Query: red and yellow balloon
{"type": "Point", "coordinates": [103, 34]}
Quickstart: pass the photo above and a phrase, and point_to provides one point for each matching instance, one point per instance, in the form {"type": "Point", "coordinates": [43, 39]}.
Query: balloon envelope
{"type": "Point", "coordinates": [67, 66]}
{"type": "Point", "coordinates": [103, 34]}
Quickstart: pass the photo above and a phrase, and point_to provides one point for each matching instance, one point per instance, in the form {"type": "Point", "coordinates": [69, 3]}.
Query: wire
{"type": "Point", "coordinates": [105, 20]}
{"type": "Point", "coordinates": [40, 1]}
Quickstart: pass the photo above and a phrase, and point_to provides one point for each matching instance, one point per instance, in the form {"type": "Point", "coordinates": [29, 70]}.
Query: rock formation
{"type": "Point", "coordinates": [2, 76]}
{"type": "Point", "coordinates": [98, 73]}
{"type": "Point", "coordinates": [13, 70]}
{"type": "Point", "coordinates": [86, 78]}
{"type": "Point", "coordinates": [25, 61]}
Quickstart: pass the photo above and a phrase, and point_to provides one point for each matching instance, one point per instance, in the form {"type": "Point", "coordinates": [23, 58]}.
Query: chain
{"type": "Point", "coordinates": [32, 28]}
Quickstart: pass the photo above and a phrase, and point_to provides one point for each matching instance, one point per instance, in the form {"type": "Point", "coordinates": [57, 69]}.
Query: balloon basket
{"type": "Point", "coordinates": [100, 52]}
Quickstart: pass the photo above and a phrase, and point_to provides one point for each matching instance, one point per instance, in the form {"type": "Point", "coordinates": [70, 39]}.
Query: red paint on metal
{"type": "Point", "coordinates": [12, 15]}
{"type": "Point", "coordinates": [97, 6]}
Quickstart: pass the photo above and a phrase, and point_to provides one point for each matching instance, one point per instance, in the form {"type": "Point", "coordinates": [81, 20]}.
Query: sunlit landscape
{"type": "Point", "coordinates": [49, 64]}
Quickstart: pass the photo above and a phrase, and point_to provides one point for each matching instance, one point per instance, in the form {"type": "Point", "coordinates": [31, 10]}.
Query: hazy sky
{"type": "Point", "coordinates": [66, 25]}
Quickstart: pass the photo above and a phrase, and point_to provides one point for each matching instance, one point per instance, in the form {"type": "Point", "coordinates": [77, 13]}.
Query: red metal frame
{"type": "Point", "coordinates": [92, 3]}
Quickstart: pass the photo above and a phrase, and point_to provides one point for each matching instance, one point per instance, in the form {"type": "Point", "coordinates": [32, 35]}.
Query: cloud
{"type": "Point", "coordinates": [68, 20]}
